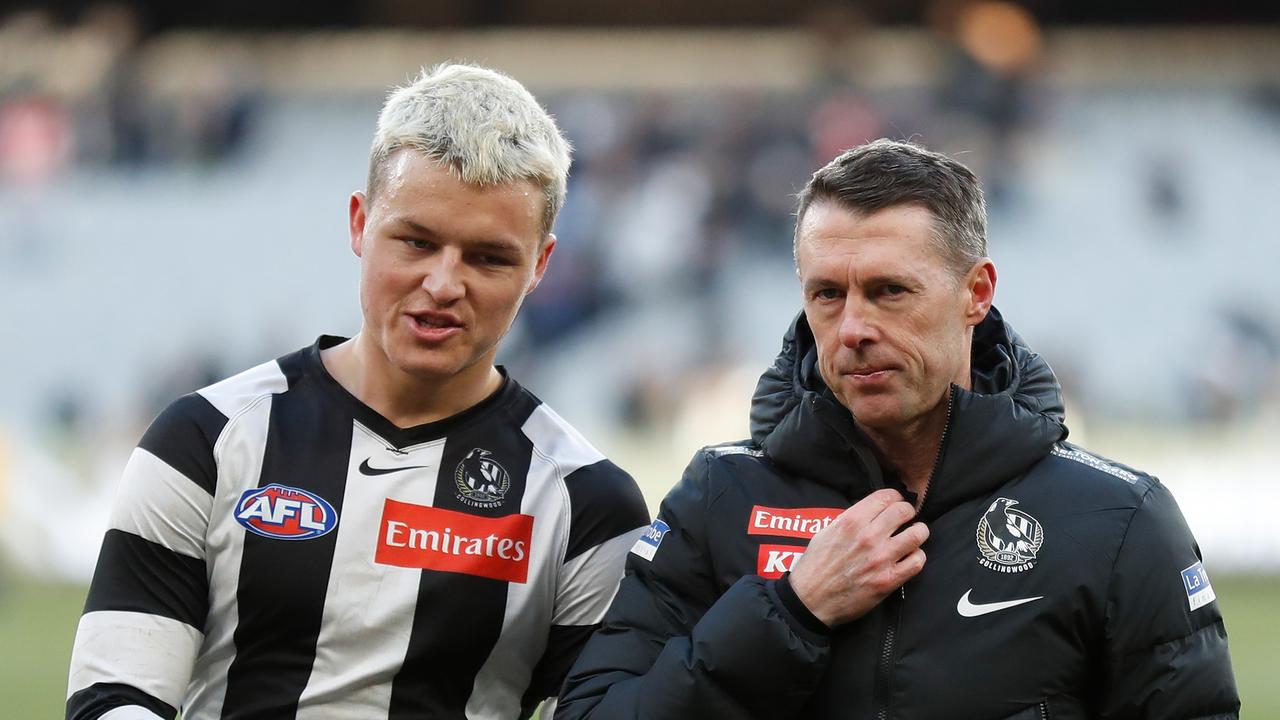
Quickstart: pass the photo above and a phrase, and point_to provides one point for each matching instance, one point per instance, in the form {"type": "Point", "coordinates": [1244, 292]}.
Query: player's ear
{"type": "Point", "coordinates": [540, 264]}
{"type": "Point", "coordinates": [979, 291]}
{"type": "Point", "coordinates": [357, 212]}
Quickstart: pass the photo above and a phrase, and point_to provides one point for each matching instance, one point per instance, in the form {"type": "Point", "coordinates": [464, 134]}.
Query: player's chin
{"type": "Point", "coordinates": [428, 363]}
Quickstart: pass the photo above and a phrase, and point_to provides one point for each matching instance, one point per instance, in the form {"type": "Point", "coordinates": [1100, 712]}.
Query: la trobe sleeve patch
{"type": "Point", "coordinates": [1196, 582]}
{"type": "Point", "coordinates": [647, 544]}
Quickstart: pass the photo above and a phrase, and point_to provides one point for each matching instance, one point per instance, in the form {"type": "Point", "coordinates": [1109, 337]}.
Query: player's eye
{"type": "Point", "coordinates": [418, 244]}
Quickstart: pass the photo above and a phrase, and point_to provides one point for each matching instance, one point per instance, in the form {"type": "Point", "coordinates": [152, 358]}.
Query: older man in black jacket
{"type": "Point", "coordinates": [786, 576]}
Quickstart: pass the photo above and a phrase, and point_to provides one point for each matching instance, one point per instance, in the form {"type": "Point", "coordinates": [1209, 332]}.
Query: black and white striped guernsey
{"type": "Point", "coordinates": [279, 550]}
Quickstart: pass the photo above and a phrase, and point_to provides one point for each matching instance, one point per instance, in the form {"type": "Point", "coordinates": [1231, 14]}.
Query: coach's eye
{"type": "Point", "coordinates": [827, 294]}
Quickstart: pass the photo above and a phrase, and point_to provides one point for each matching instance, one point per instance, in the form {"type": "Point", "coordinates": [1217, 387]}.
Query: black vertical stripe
{"type": "Point", "coordinates": [459, 617]}
{"type": "Point", "coordinates": [283, 583]}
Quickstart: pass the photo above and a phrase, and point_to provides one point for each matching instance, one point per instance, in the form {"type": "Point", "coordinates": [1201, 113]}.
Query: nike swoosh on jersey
{"type": "Point", "coordinates": [968, 609]}
{"type": "Point", "coordinates": [366, 469]}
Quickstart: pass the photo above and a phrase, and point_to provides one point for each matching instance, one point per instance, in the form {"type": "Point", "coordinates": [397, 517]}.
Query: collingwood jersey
{"type": "Point", "coordinates": [279, 550]}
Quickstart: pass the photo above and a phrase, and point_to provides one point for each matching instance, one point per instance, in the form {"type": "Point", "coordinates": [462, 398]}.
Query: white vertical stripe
{"type": "Point", "coordinates": [560, 441]}
{"type": "Point", "coordinates": [558, 450]}
{"type": "Point", "coordinates": [589, 581]}
{"type": "Point", "coordinates": [238, 453]}
{"type": "Point", "coordinates": [160, 504]}
{"type": "Point", "coordinates": [369, 608]}
{"type": "Point", "coordinates": [149, 652]}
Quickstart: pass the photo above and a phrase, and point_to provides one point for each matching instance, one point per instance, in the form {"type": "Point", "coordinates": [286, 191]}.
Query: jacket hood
{"type": "Point", "coordinates": [1009, 420]}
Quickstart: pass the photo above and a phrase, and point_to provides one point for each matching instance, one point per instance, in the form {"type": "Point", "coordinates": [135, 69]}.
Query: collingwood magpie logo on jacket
{"type": "Point", "coordinates": [481, 481]}
{"type": "Point", "coordinates": [1008, 539]}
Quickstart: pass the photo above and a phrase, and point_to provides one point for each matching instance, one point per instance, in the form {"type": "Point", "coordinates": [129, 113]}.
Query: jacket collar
{"type": "Point", "coordinates": [1009, 420]}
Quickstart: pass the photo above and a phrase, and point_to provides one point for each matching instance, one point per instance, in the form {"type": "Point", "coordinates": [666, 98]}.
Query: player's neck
{"type": "Point", "coordinates": [407, 400]}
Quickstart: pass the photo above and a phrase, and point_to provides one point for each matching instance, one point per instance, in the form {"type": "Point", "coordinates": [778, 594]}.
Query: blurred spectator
{"type": "Point", "coordinates": [992, 53]}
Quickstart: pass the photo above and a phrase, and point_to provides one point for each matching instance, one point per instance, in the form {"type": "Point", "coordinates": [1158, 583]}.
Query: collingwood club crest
{"type": "Point", "coordinates": [481, 481]}
{"type": "Point", "coordinates": [1008, 539]}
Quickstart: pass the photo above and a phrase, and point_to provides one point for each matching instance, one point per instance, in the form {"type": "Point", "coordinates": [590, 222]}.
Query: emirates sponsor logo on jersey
{"type": "Point", "coordinates": [1008, 539]}
{"type": "Point", "coordinates": [790, 522]}
{"type": "Point", "coordinates": [775, 560]}
{"type": "Point", "coordinates": [285, 513]}
{"type": "Point", "coordinates": [417, 536]}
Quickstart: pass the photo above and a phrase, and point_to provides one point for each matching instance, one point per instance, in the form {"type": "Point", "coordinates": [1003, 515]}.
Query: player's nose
{"type": "Point", "coordinates": [443, 277]}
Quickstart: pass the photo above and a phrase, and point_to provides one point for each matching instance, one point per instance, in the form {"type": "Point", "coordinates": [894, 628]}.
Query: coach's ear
{"type": "Point", "coordinates": [357, 213]}
{"type": "Point", "coordinates": [979, 289]}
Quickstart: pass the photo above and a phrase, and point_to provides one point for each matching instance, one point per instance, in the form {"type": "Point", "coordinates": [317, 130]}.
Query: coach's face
{"type": "Point", "coordinates": [891, 319]}
{"type": "Point", "coordinates": [444, 264]}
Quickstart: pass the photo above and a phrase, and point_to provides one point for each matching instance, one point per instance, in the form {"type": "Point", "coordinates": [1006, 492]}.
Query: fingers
{"type": "Point", "coordinates": [909, 566]}
{"type": "Point", "coordinates": [902, 545]}
{"type": "Point", "coordinates": [869, 507]}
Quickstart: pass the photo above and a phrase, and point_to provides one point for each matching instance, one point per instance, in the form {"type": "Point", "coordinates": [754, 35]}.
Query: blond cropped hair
{"type": "Point", "coordinates": [483, 124]}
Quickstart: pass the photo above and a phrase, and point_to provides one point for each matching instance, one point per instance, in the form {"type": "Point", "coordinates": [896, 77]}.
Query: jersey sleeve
{"type": "Point", "coordinates": [1166, 644]}
{"type": "Point", "coordinates": [607, 513]}
{"type": "Point", "coordinates": [673, 645]}
{"type": "Point", "coordinates": [145, 613]}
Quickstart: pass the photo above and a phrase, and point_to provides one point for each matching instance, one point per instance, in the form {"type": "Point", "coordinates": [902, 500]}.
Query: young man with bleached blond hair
{"type": "Point", "coordinates": [385, 526]}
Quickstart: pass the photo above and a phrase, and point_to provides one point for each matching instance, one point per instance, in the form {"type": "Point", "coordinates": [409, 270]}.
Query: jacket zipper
{"type": "Point", "coordinates": [942, 445]}
{"type": "Point", "coordinates": [1044, 710]}
{"type": "Point", "coordinates": [885, 668]}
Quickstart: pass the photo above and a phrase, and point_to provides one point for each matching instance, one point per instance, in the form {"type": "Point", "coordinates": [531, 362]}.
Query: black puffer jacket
{"type": "Point", "coordinates": [1057, 585]}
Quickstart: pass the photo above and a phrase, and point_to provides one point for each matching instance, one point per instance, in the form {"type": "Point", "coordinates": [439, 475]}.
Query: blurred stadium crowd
{"type": "Point", "coordinates": [170, 214]}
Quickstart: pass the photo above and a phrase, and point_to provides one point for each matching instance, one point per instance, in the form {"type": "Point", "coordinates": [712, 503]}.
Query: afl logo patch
{"type": "Point", "coordinates": [1008, 539]}
{"type": "Point", "coordinates": [285, 513]}
{"type": "Point", "coordinates": [481, 481]}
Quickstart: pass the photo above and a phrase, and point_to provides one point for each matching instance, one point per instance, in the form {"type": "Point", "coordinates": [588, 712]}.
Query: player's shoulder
{"type": "Point", "coordinates": [1077, 465]}
{"type": "Point", "coordinates": [233, 395]}
{"type": "Point", "coordinates": [553, 437]}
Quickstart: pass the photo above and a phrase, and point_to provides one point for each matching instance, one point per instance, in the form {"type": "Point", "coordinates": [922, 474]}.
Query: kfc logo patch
{"type": "Point", "coordinates": [801, 523]}
{"type": "Point", "coordinates": [417, 536]}
{"type": "Point", "coordinates": [776, 560]}
{"type": "Point", "coordinates": [285, 513]}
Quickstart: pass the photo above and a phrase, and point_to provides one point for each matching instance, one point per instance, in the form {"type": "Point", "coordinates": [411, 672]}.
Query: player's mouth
{"type": "Point", "coordinates": [433, 326]}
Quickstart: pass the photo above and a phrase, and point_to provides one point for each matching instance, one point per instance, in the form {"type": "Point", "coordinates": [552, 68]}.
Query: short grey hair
{"type": "Point", "coordinates": [885, 173]}
{"type": "Point", "coordinates": [482, 123]}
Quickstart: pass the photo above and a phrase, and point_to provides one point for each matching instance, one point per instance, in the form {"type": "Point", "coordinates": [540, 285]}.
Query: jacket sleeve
{"type": "Point", "coordinates": [676, 644]}
{"type": "Point", "coordinates": [143, 619]}
{"type": "Point", "coordinates": [1166, 646]}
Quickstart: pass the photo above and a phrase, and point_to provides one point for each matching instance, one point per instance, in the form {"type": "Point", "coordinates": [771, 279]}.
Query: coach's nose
{"type": "Point", "coordinates": [858, 324]}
